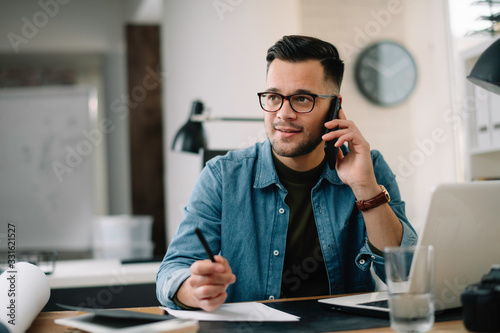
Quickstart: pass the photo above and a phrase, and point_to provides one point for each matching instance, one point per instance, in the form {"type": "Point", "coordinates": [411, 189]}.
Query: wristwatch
{"type": "Point", "coordinates": [379, 199]}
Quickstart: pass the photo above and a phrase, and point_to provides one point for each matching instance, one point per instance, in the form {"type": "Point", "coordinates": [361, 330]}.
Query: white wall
{"type": "Point", "coordinates": [432, 104]}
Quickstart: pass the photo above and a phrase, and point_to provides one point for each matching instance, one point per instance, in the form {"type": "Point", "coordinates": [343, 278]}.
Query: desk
{"type": "Point", "coordinates": [45, 321]}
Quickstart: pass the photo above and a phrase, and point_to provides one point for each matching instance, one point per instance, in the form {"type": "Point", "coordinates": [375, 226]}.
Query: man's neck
{"type": "Point", "coordinates": [305, 162]}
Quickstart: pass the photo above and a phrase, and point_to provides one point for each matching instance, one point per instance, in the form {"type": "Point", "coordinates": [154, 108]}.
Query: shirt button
{"type": "Point", "coordinates": [276, 252]}
{"type": "Point", "coordinates": [282, 211]}
{"type": "Point", "coordinates": [271, 297]}
{"type": "Point", "coordinates": [373, 257]}
{"type": "Point", "coordinates": [362, 261]}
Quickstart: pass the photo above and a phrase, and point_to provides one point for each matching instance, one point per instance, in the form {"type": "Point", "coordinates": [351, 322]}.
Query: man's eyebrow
{"type": "Point", "coordinates": [298, 91]}
{"type": "Point", "coordinates": [303, 91]}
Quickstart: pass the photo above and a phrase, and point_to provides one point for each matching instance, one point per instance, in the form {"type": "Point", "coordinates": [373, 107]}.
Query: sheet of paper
{"type": "Point", "coordinates": [247, 311]}
{"type": "Point", "coordinates": [24, 291]}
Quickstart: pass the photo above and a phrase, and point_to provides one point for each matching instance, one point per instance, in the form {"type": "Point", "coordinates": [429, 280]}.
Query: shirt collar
{"type": "Point", "coordinates": [266, 174]}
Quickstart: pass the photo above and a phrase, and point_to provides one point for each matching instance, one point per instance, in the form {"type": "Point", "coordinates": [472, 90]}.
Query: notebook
{"type": "Point", "coordinates": [463, 226]}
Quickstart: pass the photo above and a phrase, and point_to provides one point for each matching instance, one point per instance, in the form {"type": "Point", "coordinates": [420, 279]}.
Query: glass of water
{"type": "Point", "coordinates": [410, 283]}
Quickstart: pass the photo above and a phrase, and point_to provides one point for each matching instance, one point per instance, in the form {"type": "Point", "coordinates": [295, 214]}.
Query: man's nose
{"type": "Point", "coordinates": [286, 111]}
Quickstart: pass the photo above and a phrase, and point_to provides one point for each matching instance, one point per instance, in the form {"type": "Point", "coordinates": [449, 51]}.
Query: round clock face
{"type": "Point", "coordinates": [386, 73]}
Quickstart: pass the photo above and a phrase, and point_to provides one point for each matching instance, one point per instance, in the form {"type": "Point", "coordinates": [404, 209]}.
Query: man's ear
{"type": "Point", "coordinates": [340, 98]}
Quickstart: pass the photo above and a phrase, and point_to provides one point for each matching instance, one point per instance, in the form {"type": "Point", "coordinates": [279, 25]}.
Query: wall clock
{"type": "Point", "coordinates": [386, 73]}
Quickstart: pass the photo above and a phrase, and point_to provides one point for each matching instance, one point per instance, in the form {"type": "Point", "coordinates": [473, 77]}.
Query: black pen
{"type": "Point", "coordinates": [204, 243]}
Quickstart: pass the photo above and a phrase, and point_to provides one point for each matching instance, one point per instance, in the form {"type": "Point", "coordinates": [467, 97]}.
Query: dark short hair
{"type": "Point", "coordinates": [302, 48]}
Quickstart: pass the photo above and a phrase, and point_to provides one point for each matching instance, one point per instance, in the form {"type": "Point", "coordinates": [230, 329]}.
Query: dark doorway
{"type": "Point", "coordinates": [146, 127]}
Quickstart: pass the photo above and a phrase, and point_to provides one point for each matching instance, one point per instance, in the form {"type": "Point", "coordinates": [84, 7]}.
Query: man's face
{"type": "Point", "coordinates": [295, 134]}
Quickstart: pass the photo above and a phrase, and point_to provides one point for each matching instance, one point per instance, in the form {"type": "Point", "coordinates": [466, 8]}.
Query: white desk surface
{"type": "Point", "coordinates": [101, 272]}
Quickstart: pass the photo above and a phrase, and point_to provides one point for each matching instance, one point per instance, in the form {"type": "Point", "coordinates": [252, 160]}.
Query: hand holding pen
{"type": "Point", "coordinates": [209, 280]}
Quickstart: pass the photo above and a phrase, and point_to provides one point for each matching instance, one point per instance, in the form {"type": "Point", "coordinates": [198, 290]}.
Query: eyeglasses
{"type": "Point", "coordinates": [301, 103]}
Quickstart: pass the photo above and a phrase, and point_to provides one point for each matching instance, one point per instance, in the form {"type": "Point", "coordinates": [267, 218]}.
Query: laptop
{"type": "Point", "coordinates": [463, 226]}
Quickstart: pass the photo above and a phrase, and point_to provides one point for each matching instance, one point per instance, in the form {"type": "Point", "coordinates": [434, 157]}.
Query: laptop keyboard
{"type": "Point", "coordinates": [380, 304]}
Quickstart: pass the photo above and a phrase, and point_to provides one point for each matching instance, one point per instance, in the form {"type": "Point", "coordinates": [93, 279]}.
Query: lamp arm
{"type": "Point", "coordinates": [205, 117]}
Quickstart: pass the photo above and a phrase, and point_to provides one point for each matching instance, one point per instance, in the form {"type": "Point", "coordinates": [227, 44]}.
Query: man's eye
{"type": "Point", "coordinates": [303, 99]}
{"type": "Point", "coordinates": [272, 98]}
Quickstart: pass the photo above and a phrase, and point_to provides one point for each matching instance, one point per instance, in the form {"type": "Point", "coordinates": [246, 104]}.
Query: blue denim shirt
{"type": "Point", "coordinates": [239, 204]}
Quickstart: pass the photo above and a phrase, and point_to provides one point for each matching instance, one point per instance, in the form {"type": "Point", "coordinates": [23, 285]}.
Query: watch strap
{"type": "Point", "coordinates": [380, 199]}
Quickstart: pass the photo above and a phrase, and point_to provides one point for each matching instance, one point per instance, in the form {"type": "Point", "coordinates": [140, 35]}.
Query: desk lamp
{"type": "Point", "coordinates": [486, 71]}
{"type": "Point", "coordinates": [191, 137]}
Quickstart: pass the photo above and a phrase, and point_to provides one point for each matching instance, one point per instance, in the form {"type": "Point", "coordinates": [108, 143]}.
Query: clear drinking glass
{"type": "Point", "coordinates": [410, 283]}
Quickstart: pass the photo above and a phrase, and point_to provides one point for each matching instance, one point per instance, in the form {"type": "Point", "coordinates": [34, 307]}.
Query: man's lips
{"type": "Point", "coordinates": [287, 131]}
{"type": "Point", "coordinates": [287, 127]}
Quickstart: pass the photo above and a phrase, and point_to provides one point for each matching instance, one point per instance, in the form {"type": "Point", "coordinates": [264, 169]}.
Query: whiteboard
{"type": "Point", "coordinates": [47, 154]}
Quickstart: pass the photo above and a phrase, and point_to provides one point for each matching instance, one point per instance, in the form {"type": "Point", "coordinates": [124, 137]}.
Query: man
{"type": "Point", "coordinates": [283, 223]}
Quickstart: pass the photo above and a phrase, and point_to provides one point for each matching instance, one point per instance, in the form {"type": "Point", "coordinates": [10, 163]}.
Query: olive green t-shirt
{"type": "Point", "coordinates": [304, 272]}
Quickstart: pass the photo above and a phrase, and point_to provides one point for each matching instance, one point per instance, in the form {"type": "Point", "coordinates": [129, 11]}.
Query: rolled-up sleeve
{"type": "Point", "coordinates": [167, 285]}
{"type": "Point", "coordinates": [202, 211]}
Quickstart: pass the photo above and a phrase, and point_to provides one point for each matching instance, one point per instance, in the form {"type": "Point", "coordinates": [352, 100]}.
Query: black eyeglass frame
{"type": "Point", "coordinates": [283, 98]}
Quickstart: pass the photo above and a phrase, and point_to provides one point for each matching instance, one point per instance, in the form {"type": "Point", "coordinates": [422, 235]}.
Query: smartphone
{"type": "Point", "coordinates": [330, 149]}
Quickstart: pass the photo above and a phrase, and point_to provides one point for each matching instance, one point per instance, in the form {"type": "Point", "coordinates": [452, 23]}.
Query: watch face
{"type": "Point", "coordinates": [386, 73]}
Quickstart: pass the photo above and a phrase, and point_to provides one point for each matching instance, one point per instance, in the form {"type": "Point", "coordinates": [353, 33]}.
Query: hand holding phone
{"type": "Point", "coordinates": [330, 150]}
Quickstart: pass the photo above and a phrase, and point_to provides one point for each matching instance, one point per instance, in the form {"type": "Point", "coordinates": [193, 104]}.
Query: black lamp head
{"type": "Point", "coordinates": [486, 71]}
{"type": "Point", "coordinates": [197, 108]}
{"type": "Point", "coordinates": [191, 137]}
